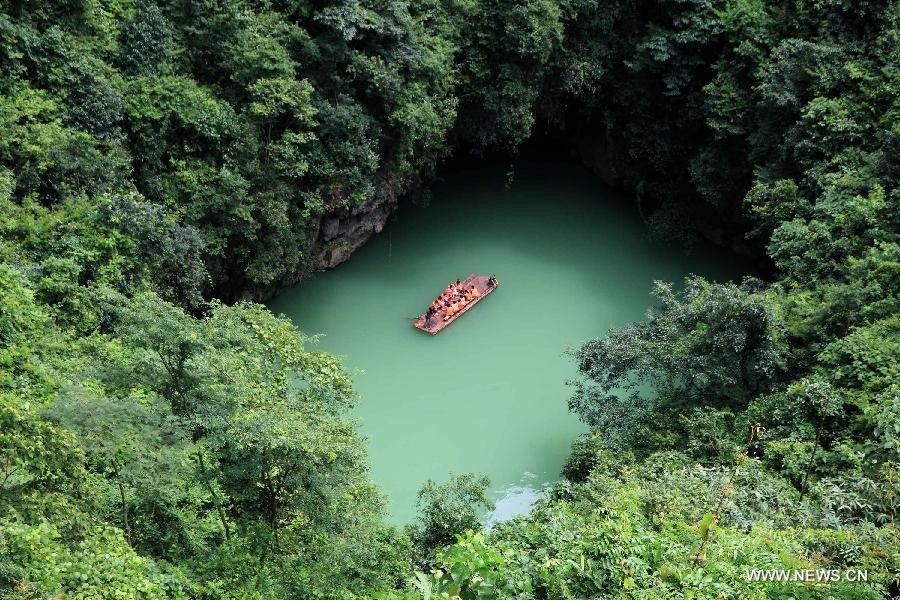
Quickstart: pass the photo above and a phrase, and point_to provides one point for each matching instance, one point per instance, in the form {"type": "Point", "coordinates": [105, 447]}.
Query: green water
{"type": "Point", "coordinates": [488, 393]}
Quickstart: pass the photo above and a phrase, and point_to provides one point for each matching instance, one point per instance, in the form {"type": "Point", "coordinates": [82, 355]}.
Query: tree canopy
{"type": "Point", "coordinates": [163, 163]}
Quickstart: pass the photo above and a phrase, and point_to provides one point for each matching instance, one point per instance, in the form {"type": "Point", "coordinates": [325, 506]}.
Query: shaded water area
{"type": "Point", "coordinates": [487, 394]}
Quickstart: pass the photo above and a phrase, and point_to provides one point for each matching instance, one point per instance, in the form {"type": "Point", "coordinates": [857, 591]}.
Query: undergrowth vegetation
{"type": "Point", "coordinates": [161, 160]}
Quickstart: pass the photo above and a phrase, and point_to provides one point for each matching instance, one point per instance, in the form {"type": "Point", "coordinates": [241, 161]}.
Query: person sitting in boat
{"type": "Point", "coordinates": [473, 291]}
{"type": "Point", "coordinates": [458, 285]}
{"type": "Point", "coordinates": [448, 310]}
{"type": "Point", "coordinates": [492, 281]}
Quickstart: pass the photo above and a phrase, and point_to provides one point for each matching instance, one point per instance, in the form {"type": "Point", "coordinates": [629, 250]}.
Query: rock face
{"type": "Point", "coordinates": [595, 148]}
{"type": "Point", "coordinates": [339, 234]}
{"type": "Point", "coordinates": [343, 232]}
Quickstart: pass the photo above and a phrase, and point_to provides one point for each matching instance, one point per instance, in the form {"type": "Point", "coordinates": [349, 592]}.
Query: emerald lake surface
{"type": "Point", "coordinates": [487, 394]}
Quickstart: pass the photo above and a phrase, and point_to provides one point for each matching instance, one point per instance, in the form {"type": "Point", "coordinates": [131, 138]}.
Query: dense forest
{"type": "Point", "coordinates": [165, 164]}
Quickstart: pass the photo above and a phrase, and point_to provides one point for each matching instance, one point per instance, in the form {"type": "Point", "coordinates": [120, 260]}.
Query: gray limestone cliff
{"type": "Point", "coordinates": [343, 232]}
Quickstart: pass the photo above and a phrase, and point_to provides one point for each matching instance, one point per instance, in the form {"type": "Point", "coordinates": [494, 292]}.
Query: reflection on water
{"type": "Point", "coordinates": [516, 499]}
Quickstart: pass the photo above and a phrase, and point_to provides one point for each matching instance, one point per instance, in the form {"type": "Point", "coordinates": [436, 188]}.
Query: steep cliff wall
{"type": "Point", "coordinates": [345, 231]}
{"type": "Point", "coordinates": [597, 148]}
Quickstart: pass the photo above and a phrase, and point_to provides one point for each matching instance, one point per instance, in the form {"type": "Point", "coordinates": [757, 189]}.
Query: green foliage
{"type": "Point", "coordinates": [145, 44]}
{"type": "Point", "coordinates": [449, 508]}
{"type": "Point", "coordinates": [192, 442]}
{"type": "Point", "coordinates": [39, 461]}
{"type": "Point", "coordinates": [589, 453]}
{"type": "Point", "coordinates": [633, 532]}
{"type": "Point", "coordinates": [243, 123]}
{"type": "Point", "coordinates": [704, 351]}
{"type": "Point", "coordinates": [505, 52]}
{"type": "Point", "coordinates": [156, 156]}
{"type": "Point", "coordinates": [102, 564]}
{"type": "Point", "coordinates": [731, 116]}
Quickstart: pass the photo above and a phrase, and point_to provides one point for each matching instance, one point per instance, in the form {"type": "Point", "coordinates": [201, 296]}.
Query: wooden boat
{"type": "Point", "coordinates": [438, 323]}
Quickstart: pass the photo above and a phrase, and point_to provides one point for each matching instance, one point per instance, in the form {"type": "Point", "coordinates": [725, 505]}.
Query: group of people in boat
{"type": "Point", "coordinates": [453, 300]}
